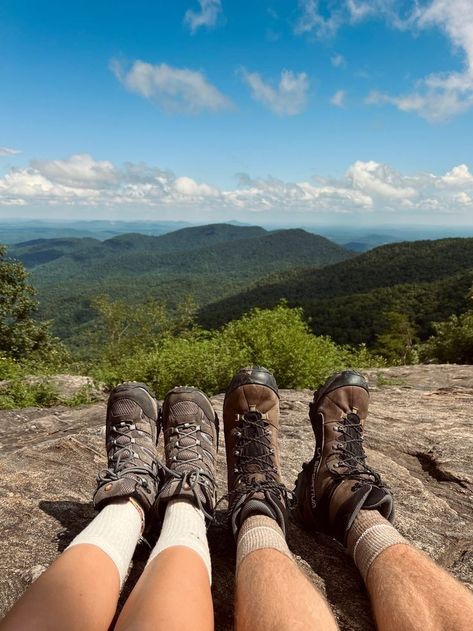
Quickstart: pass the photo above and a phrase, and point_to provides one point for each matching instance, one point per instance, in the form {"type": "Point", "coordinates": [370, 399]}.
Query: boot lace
{"type": "Point", "coordinates": [122, 452]}
{"type": "Point", "coordinates": [255, 455]}
{"type": "Point", "coordinates": [353, 455]}
{"type": "Point", "coordinates": [188, 452]}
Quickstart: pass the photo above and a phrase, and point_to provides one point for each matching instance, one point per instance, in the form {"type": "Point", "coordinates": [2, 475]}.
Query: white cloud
{"type": "Point", "coordinates": [190, 188]}
{"type": "Point", "coordinates": [338, 99]}
{"type": "Point", "coordinates": [311, 20]}
{"type": "Point", "coordinates": [80, 182]}
{"type": "Point", "coordinates": [338, 61]}
{"type": "Point", "coordinates": [288, 99]}
{"type": "Point", "coordinates": [379, 181]}
{"type": "Point", "coordinates": [458, 176]}
{"type": "Point", "coordinates": [173, 89]}
{"type": "Point", "coordinates": [436, 97]}
{"type": "Point", "coordinates": [8, 151]}
{"type": "Point", "coordinates": [440, 96]}
{"type": "Point", "coordinates": [80, 170]}
{"type": "Point", "coordinates": [208, 15]}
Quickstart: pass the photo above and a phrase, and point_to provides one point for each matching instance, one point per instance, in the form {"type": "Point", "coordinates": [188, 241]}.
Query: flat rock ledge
{"type": "Point", "coordinates": [419, 436]}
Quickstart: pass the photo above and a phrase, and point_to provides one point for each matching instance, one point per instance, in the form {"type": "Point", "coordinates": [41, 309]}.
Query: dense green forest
{"type": "Point", "coordinates": [208, 262]}
{"type": "Point", "coordinates": [426, 280]}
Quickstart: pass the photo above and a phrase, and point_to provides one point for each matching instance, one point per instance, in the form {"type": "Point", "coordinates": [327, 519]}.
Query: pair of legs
{"type": "Point", "coordinates": [79, 592]}
{"type": "Point", "coordinates": [81, 589]}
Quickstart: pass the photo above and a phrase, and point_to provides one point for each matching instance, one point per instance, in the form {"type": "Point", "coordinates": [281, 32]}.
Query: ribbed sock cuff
{"type": "Point", "coordinates": [258, 532]}
{"type": "Point", "coordinates": [370, 535]}
{"type": "Point", "coordinates": [184, 525]}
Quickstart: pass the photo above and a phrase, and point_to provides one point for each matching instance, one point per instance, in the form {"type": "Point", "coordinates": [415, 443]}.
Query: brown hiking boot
{"type": "Point", "coordinates": [251, 420]}
{"type": "Point", "coordinates": [190, 428]}
{"type": "Point", "coordinates": [337, 483]}
{"type": "Point", "coordinates": [131, 437]}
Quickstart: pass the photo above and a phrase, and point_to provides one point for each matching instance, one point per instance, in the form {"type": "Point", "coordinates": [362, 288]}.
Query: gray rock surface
{"type": "Point", "coordinates": [419, 435]}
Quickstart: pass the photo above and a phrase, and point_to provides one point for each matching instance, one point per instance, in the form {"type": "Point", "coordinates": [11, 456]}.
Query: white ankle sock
{"type": "Point", "coordinates": [116, 531]}
{"type": "Point", "coordinates": [258, 532]}
{"type": "Point", "coordinates": [184, 525]}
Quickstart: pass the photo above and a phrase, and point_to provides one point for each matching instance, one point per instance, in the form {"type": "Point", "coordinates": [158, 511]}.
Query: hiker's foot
{"type": "Point", "coordinates": [190, 428]}
{"type": "Point", "coordinates": [131, 437]}
{"type": "Point", "coordinates": [251, 419]}
{"type": "Point", "coordinates": [337, 483]}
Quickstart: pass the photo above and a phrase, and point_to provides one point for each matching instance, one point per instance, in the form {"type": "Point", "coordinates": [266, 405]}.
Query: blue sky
{"type": "Point", "coordinates": [269, 110]}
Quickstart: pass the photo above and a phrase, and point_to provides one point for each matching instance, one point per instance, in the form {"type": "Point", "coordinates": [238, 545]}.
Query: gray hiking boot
{"type": "Point", "coordinates": [131, 437]}
{"type": "Point", "coordinates": [190, 428]}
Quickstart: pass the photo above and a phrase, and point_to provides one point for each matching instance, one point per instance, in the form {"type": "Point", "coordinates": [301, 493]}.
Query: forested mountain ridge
{"type": "Point", "coordinates": [206, 247]}
{"type": "Point", "coordinates": [427, 279]}
{"type": "Point", "coordinates": [208, 262]}
{"type": "Point", "coordinates": [38, 251]}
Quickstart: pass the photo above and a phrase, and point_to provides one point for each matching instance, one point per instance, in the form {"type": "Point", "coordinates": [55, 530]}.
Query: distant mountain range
{"type": "Point", "coordinates": [209, 262]}
{"type": "Point", "coordinates": [12, 231]}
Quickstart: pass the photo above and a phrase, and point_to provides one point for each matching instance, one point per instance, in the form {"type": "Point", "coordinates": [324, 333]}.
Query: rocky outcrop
{"type": "Point", "coordinates": [419, 435]}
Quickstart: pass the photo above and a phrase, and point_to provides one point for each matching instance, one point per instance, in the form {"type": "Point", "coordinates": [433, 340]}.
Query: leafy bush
{"type": "Point", "coordinates": [396, 342]}
{"type": "Point", "coordinates": [278, 338]}
{"type": "Point", "coordinates": [20, 394]}
{"type": "Point", "coordinates": [452, 342]}
{"type": "Point", "coordinates": [20, 334]}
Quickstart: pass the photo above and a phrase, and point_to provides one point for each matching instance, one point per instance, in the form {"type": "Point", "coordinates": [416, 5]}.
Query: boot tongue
{"type": "Point", "coordinates": [256, 444]}
{"type": "Point", "coordinates": [353, 432]}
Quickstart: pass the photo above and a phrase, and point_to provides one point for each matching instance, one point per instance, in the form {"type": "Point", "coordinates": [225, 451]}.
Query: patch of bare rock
{"type": "Point", "coordinates": [419, 436]}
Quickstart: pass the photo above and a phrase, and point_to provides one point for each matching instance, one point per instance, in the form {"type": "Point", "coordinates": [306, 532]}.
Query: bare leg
{"type": "Point", "coordinates": [79, 592]}
{"type": "Point", "coordinates": [172, 594]}
{"type": "Point", "coordinates": [273, 594]}
{"type": "Point", "coordinates": [409, 592]}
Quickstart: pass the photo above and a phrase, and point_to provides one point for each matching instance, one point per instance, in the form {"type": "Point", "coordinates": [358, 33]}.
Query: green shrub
{"type": "Point", "coordinates": [278, 338]}
{"type": "Point", "coordinates": [20, 394]}
{"type": "Point", "coordinates": [9, 368]}
{"type": "Point", "coordinates": [452, 342]}
{"type": "Point", "coordinates": [84, 396]}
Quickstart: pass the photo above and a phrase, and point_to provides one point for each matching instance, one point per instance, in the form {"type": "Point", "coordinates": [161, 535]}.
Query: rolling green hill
{"type": "Point", "coordinates": [426, 279]}
{"type": "Point", "coordinates": [208, 262]}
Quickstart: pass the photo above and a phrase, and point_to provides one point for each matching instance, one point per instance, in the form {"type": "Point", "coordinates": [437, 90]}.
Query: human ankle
{"type": "Point", "coordinates": [370, 535]}
{"type": "Point", "coordinates": [258, 532]}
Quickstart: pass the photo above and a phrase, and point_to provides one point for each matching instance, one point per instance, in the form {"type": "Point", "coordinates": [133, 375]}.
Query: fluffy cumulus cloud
{"type": "Point", "coordinates": [288, 98]}
{"type": "Point", "coordinates": [207, 15]}
{"type": "Point", "coordinates": [440, 96]}
{"type": "Point", "coordinates": [436, 97]}
{"type": "Point", "coordinates": [173, 89]}
{"type": "Point", "coordinates": [367, 187]}
{"type": "Point", "coordinates": [8, 151]}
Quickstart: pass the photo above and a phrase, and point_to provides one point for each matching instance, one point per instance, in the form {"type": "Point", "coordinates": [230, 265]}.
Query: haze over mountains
{"type": "Point", "coordinates": [359, 238]}
{"type": "Point", "coordinates": [228, 269]}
